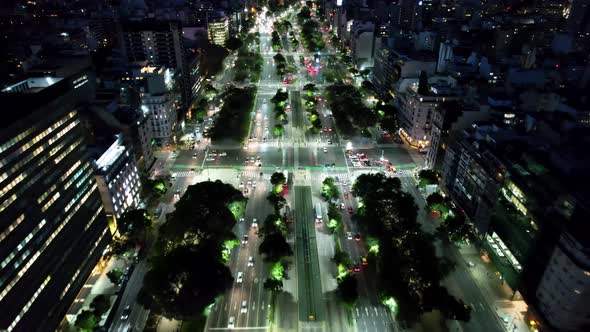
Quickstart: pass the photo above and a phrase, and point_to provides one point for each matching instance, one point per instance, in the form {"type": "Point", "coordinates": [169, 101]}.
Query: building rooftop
{"type": "Point", "coordinates": [110, 156]}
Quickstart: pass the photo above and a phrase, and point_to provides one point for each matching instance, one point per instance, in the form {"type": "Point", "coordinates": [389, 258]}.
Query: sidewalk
{"type": "Point", "coordinates": [96, 284]}
{"type": "Point", "coordinates": [509, 311]}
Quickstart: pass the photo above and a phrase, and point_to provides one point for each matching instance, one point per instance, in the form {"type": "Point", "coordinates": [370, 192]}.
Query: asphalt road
{"type": "Point", "coordinates": [251, 289]}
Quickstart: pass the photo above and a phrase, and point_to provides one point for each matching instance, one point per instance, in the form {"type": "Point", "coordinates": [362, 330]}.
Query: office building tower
{"type": "Point", "coordinates": [408, 14]}
{"type": "Point", "coordinates": [118, 179]}
{"type": "Point", "coordinates": [218, 29]}
{"type": "Point", "coordinates": [158, 43]}
{"type": "Point", "coordinates": [562, 294]}
{"type": "Point", "coordinates": [53, 229]}
{"type": "Point", "coordinates": [578, 17]}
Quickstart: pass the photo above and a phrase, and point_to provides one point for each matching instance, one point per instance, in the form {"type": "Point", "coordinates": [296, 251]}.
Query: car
{"type": "Point", "coordinates": [257, 158]}
{"type": "Point", "coordinates": [222, 154]}
{"type": "Point", "coordinates": [253, 184]}
{"type": "Point", "coordinates": [364, 261]}
{"type": "Point", "coordinates": [244, 307]}
{"type": "Point", "coordinates": [245, 239]}
{"type": "Point", "coordinates": [177, 194]}
{"type": "Point", "coordinates": [356, 268]}
{"type": "Point", "coordinates": [254, 223]}
{"type": "Point", "coordinates": [126, 312]}
{"type": "Point", "coordinates": [240, 278]}
{"type": "Point", "coordinates": [341, 206]}
{"type": "Point", "coordinates": [195, 155]}
{"type": "Point", "coordinates": [231, 323]}
{"type": "Point", "coordinates": [241, 184]}
{"type": "Point", "coordinates": [357, 236]}
{"type": "Point", "coordinates": [470, 264]}
{"type": "Point", "coordinates": [192, 171]}
{"type": "Point", "coordinates": [241, 219]}
{"type": "Point", "coordinates": [329, 141]}
{"type": "Point", "coordinates": [246, 191]}
{"type": "Point", "coordinates": [260, 165]}
{"type": "Point", "coordinates": [249, 182]}
{"type": "Point", "coordinates": [250, 261]}
{"type": "Point", "coordinates": [325, 150]}
{"type": "Point", "coordinates": [350, 210]}
{"type": "Point", "coordinates": [264, 101]}
{"type": "Point", "coordinates": [210, 158]}
{"type": "Point", "coordinates": [349, 235]}
{"type": "Point", "coordinates": [346, 195]}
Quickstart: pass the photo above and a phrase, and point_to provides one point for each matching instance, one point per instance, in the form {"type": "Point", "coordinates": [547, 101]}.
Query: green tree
{"type": "Point", "coordinates": [278, 130]}
{"type": "Point", "coordinates": [280, 96]}
{"type": "Point", "coordinates": [277, 201]}
{"type": "Point", "coordinates": [347, 288]}
{"type": "Point", "coordinates": [115, 275]}
{"type": "Point", "coordinates": [86, 321]}
{"type": "Point", "coordinates": [279, 58]}
{"type": "Point", "coordinates": [278, 178]}
{"type": "Point", "coordinates": [274, 247]}
{"type": "Point", "coordinates": [233, 43]}
{"type": "Point", "coordinates": [186, 287]}
{"type": "Point", "coordinates": [273, 285]}
{"type": "Point", "coordinates": [334, 218]}
{"type": "Point", "coordinates": [100, 304]}
{"type": "Point", "coordinates": [423, 87]}
{"type": "Point", "coordinates": [199, 230]}
{"type": "Point", "coordinates": [329, 189]}
{"type": "Point", "coordinates": [435, 198]}
{"type": "Point", "coordinates": [427, 177]}
{"type": "Point", "coordinates": [455, 228]}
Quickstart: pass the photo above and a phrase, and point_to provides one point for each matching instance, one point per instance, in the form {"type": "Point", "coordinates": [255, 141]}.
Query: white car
{"type": "Point", "coordinates": [253, 184]}
{"type": "Point", "coordinates": [244, 307]}
{"type": "Point", "coordinates": [231, 323]}
{"type": "Point", "coordinates": [250, 261]}
{"type": "Point", "coordinates": [254, 223]}
{"type": "Point", "coordinates": [349, 235]}
{"type": "Point", "coordinates": [325, 150]}
{"type": "Point", "coordinates": [245, 239]}
{"type": "Point", "coordinates": [222, 154]}
{"type": "Point", "coordinates": [240, 278]}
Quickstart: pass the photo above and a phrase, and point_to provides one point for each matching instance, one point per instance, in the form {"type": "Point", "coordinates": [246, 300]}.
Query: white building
{"type": "Point", "coordinates": [159, 101]}
{"type": "Point", "coordinates": [565, 286]}
{"type": "Point", "coordinates": [118, 179]}
{"type": "Point", "coordinates": [218, 30]}
{"type": "Point", "coordinates": [362, 42]}
{"type": "Point", "coordinates": [416, 110]}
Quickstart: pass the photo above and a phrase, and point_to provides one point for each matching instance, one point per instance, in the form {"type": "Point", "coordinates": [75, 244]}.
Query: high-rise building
{"type": "Point", "coordinates": [53, 229]}
{"type": "Point", "coordinates": [578, 17]}
{"type": "Point", "coordinates": [158, 43]}
{"type": "Point", "coordinates": [563, 291]}
{"type": "Point", "coordinates": [409, 14]}
{"type": "Point", "coordinates": [417, 109]}
{"type": "Point", "coordinates": [159, 101]}
{"type": "Point", "coordinates": [218, 29]}
{"type": "Point", "coordinates": [118, 179]}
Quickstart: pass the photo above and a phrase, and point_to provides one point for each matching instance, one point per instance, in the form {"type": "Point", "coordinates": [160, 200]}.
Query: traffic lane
{"type": "Point", "coordinates": [128, 298]}
{"type": "Point", "coordinates": [257, 208]}
{"type": "Point", "coordinates": [269, 157]}
{"type": "Point", "coordinates": [397, 156]}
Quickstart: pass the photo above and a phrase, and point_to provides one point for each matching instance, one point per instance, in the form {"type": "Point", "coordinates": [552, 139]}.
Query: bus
{"type": "Point", "coordinates": [318, 213]}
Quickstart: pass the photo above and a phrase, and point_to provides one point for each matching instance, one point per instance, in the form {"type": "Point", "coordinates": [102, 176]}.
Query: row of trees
{"type": "Point", "coordinates": [188, 266]}
{"type": "Point", "coordinates": [310, 34]}
{"type": "Point", "coordinates": [274, 246]}
{"type": "Point", "coordinates": [406, 259]}
{"type": "Point", "coordinates": [453, 226]}
{"type": "Point", "coordinates": [279, 101]}
{"type": "Point", "coordinates": [348, 109]}
{"type": "Point", "coordinates": [248, 64]}
{"type": "Point", "coordinates": [232, 122]}
{"type": "Point", "coordinates": [310, 102]}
